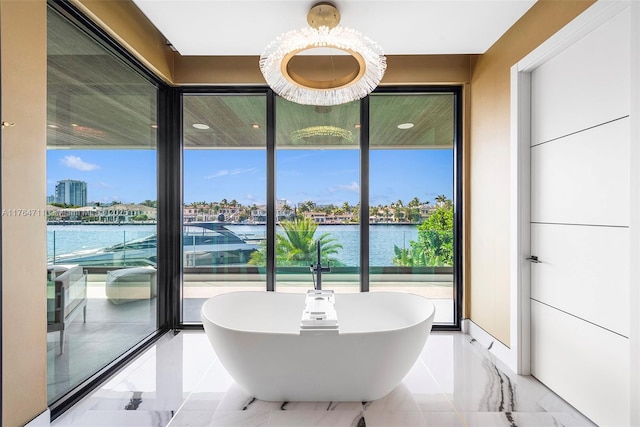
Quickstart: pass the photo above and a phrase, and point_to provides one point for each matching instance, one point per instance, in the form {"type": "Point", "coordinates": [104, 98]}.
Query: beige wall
{"type": "Point", "coordinates": [24, 323]}
{"type": "Point", "coordinates": [489, 163]}
{"type": "Point", "coordinates": [401, 69]}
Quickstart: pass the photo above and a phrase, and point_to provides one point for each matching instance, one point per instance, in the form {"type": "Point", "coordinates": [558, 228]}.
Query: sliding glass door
{"type": "Point", "coordinates": [101, 208]}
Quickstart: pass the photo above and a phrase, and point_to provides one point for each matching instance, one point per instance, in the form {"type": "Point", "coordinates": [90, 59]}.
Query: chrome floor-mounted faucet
{"type": "Point", "coordinates": [319, 269]}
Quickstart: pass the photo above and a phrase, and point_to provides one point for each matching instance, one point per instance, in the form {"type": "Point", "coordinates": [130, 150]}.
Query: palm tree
{"type": "Point", "coordinates": [328, 209]}
{"type": "Point", "coordinates": [296, 246]}
{"type": "Point", "coordinates": [355, 213]}
{"type": "Point", "coordinates": [307, 206]}
{"type": "Point", "coordinates": [413, 214]}
{"type": "Point", "coordinates": [441, 199]}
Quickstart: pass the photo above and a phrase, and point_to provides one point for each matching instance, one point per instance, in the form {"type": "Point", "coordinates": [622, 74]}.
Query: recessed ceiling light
{"type": "Point", "coordinates": [201, 126]}
{"type": "Point", "coordinates": [53, 126]}
{"type": "Point", "coordinates": [154, 126]}
{"type": "Point", "coordinates": [357, 125]}
{"type": "Point", "coordinates": [75, 125]}
{"type": "Point", "coordinates": [255, 126]}
{"type": "Point", "coordinates": [405, 125]}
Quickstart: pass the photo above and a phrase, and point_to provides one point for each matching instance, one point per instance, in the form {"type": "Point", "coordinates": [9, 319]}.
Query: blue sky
{"type": "Point", "coordinates": [323, 176]}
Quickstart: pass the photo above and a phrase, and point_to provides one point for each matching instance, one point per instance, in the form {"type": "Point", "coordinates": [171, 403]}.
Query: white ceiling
{"type": "Point", "coordinates": [245, 27]}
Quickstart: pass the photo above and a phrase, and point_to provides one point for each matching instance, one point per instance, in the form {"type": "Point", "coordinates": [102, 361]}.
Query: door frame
{"type": "Point", "coordinates": [518, 357]}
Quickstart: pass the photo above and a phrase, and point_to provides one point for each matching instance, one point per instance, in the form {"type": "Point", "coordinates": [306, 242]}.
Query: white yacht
{"type": "Point", "coordinates": [204, 244]}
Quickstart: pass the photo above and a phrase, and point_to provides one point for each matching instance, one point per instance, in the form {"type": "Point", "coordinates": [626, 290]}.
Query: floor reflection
{"type": "Point", "coordinates": [455, 382]}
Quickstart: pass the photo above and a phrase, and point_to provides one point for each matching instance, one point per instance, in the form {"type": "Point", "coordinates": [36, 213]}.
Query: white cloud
{"type": "Point", "coordinates": [225, 172]}
{"type": "Point", "coordinates": [75, 162]}
{"type": "Point", "coordinates": [217, 174]}
{"type": "Point", "coordinates": [239, 171]}
{"type": "Point", "coordinates": [354, 187]}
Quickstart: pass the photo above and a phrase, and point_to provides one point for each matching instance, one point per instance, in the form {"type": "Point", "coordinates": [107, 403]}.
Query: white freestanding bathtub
{"type": "Point", "coordinates": [256, 336]}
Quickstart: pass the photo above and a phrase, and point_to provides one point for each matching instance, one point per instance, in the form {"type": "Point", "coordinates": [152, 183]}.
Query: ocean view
{"type": "Point", "coordinates": [63, 239]}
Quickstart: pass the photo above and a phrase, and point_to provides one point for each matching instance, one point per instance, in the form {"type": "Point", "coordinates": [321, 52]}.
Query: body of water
{"type": "Point", "coordinates": [63, 239]}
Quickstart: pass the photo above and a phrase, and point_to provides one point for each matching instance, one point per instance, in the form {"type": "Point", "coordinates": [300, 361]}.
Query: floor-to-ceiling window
{"type": "Point", "coordinates": [411, 193]}
{"type": "Point", "coordinates": [406, 161]}
{"type": "Point", "coordinates": [101, 206]}
{"type": "Point", "coordinates": [224, 207]}
{"type": "Point", "coordinates": [317, 176]}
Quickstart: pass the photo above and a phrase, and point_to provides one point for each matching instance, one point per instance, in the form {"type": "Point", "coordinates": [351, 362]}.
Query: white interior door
{"type": "Point", "coordinates": [580, 188]}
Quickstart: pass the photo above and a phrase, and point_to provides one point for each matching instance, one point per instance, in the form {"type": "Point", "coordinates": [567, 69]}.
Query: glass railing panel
{"type": "Point", "coordinates": [400, 262]}
{"type": "Point", "coordinates": [340, 249]}
{"type": "Point", "coordinates": [106, 246]}
{"type": "Point", "coordinates": [212, 270]}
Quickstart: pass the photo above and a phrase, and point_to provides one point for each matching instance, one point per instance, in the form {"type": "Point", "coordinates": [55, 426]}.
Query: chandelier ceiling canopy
{"type": "Point", "coordinates": [352, 76]}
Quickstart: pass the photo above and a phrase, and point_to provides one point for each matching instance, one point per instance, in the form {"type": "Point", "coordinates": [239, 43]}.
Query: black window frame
{"type": "Point", "coordinates": [455, 90]}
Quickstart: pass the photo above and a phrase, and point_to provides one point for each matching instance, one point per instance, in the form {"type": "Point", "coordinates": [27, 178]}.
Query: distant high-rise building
{"type": "Point", "coordinates": [71, 192]}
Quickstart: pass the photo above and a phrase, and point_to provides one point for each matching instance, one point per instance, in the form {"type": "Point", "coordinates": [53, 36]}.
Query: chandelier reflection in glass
{"type": "Point", "coordinates": [323, 32]}
{"type": "Point", "coordinates": [301, 135]}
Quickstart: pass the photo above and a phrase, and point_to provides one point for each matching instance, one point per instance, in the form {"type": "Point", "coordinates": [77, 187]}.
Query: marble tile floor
{"type": "Point", "coordinates": [108, 332]}
{"type": "Point", "coordinates": [112, 329]}
{"type": "Point", "coordinates": [180, 383]}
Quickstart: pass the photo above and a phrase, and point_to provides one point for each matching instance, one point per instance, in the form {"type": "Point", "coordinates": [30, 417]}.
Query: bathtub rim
{"type": "Point", "coordinates": [428, 318]}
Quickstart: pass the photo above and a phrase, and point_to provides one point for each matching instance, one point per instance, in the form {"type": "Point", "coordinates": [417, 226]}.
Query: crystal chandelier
{"type": "Point", "coordinates": [323, 32]}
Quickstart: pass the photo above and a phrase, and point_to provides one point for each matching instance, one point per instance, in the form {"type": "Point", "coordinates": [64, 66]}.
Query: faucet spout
{"type": "Point", "coordinates": [318, 268]}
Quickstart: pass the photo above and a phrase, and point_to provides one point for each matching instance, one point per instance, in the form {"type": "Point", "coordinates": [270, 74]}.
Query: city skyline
{"type": "Point", "coordinates": [323, 176]}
